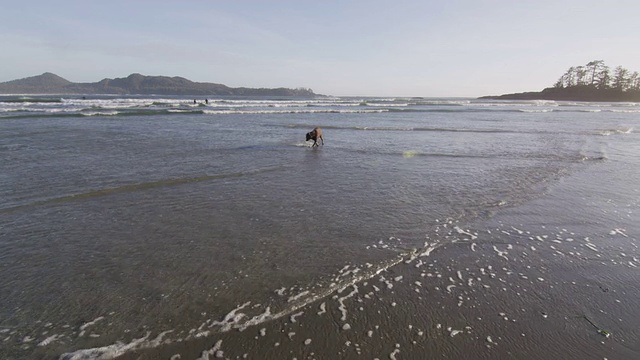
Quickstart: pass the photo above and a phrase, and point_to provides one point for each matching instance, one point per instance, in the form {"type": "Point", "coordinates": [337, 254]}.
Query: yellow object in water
{"type": "Point", "coordinates": [409, 154]}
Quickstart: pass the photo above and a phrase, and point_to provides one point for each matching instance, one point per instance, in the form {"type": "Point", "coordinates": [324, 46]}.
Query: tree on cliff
{"type": "Point", "coordinates": [595, 67]}
{"type": "Point", "coordinates": [634, 81]}
{"type": "Point", "coordinates": [604, 77]}
{"type": "Point", "coordinates": [591, 82]}
{"type": "Point", "coordinates": [597, 75]}
{"type": "Point", "coordinates": [620, 78]}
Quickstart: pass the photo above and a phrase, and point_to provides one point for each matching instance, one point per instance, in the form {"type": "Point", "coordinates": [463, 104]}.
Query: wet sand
{"type": "Point", "coordinates": [554, 286]}
{"type": "Point", "coordinates": [495, 313]}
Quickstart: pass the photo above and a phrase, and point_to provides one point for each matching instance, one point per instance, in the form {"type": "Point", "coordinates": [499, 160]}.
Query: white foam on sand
{"type": "Point", "coordinates": [214, 351]}
{"type": "Point", "coordinates": [591, 246]}
{"type": "Point", "coordinates": [297, 297]}
{"type": "Point", "coordinates": [323, 309]}
{"type": "Point", "coordinates": [50, 339]}
{"type": "Point", "coordinates": [342, 307]}
{"type": "Point", "coordinates": [90, 323]}
{"type": "Point", "coordinates": [115, 350]}
{"type": "Point", "coordinates": [619, 232]}
{"type": "Point", "coordinates": [236, 319]}
{"type": "Point", "coordinates": [463, 232]}
{"type": "Point", "coordinates": [500, 253]}
{"type": "Point", "coordinates": [395, 352]}
{"type": "Point", "coordinates": [293, 317]}
{"type": "Point", "coordinates": [281, 291]}
{"type": "Point", "coordinates": [233, 317]}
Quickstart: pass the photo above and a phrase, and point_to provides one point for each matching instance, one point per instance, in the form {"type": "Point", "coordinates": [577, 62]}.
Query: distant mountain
{"type": "Point", "coordinates": [45, 83]}
{"type": "Point", "coordinates": [136, 84]}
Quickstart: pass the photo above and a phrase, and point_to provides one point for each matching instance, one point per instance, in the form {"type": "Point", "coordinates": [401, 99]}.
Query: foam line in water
{"type": "Point", "coordinates": [110, 351]}
{"type": "Point", "coordinates": [295, 111]}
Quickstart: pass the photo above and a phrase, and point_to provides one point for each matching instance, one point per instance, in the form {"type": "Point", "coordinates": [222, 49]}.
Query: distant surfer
{"type": "Point", "coordinates": [314, 135]}
{"type": "Point", "coordinates": [194, 101]}
{"type": "Point", "coordinates": [206, 101]}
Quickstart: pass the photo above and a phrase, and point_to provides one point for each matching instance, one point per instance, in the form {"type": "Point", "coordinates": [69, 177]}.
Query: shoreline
{"type": "Point", "coordinates": [495, 291]}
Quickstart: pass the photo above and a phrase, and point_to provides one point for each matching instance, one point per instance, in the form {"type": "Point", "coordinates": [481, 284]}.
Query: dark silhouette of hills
{"type": "Point", "coordinates": [574, 93]}
{"type": "Point", "coordinates": [136, 84]}
{"type": "Point", "coordinates": [593, 81]}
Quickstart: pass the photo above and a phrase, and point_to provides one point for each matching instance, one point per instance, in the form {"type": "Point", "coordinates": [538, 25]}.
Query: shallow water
{"type": "Point", "coordinates": [197, 220]}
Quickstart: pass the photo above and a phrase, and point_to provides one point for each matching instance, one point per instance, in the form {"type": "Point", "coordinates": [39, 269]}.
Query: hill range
{"type": "Point", "coordinates": [137, 84]}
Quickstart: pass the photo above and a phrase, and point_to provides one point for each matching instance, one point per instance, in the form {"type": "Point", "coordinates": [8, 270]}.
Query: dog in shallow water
{"type": "Point", "coordinates": [314, 135]}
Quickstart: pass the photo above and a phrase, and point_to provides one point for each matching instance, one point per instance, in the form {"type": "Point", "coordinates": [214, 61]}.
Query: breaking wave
{"type": "Point", "coordinates": [12, 107]}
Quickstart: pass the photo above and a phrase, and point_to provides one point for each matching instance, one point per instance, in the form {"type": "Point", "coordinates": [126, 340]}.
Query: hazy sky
{"type": "Point", "coordinates": [384, 48]}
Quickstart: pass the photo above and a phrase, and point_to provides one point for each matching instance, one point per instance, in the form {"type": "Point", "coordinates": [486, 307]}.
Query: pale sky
{"type": "Point", "coordinates": [360, 48]}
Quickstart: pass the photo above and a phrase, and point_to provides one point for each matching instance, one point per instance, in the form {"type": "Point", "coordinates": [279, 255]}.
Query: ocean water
{"type": "Point", "coordinates": [449, 228]}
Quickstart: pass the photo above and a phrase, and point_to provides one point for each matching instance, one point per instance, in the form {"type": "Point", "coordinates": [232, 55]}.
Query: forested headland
{"type": "Point", "coordinates": [594, 81]}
